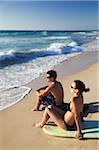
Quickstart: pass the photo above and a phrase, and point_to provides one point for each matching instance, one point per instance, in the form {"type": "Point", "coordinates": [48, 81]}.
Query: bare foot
{"type": "Point", "coordinates": [34, 109]}
{"type": "Point", "coordinates": [38, 125]}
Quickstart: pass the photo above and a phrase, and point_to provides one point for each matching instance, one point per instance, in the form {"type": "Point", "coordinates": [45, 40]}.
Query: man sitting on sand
{"type": "Point", "coordinates": [52, 94]}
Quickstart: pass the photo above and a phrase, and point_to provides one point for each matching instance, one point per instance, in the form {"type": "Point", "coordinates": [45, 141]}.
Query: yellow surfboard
{"type": "Point", "coordinates": [90, 129]}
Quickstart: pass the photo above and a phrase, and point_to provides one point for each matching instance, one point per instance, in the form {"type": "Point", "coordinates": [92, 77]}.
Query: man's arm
{"type": "Point", "coordinates": [46, 91]}
{"type": "Point", "coordinates": [42, 88]}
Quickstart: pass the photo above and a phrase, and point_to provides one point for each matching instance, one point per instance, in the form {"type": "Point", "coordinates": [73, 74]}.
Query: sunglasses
{"type": "Point", "coordinates": [48, 77]}
{"type": "Point", "coordinates": [73, 87]}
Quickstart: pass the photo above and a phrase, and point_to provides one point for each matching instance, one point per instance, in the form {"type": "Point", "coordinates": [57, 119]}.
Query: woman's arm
{"type": "Point", "coordinates": [76, 117]}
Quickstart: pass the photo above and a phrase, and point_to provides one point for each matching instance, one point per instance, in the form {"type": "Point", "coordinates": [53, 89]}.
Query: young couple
{"type": "Point", "coordinates": [52, 96]}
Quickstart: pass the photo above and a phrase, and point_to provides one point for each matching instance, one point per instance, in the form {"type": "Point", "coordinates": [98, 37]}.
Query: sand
{"type": "Point", "coordinates": [16, 130]}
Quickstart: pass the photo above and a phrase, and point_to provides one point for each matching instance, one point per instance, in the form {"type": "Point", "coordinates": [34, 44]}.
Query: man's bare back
{"type": "Point", "coordinates": [57, 92]}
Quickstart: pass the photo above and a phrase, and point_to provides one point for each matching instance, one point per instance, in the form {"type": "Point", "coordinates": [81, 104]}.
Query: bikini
{"type": "Point", "coordinates": [70, 127]}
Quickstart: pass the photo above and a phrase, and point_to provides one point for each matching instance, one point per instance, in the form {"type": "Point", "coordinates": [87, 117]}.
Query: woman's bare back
{"type": "Point", "coordinates": [69, 115]}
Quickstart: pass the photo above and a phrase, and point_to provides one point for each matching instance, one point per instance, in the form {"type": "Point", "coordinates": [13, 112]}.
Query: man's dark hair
{"type": "Point", "coordinates": [52, 73]}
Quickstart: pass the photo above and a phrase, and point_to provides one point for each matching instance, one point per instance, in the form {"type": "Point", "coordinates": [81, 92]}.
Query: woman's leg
{"type": "Point", "coordinates": [60, 111]}
{"type": "Point", "coordinates": [44, 119]}
{"type": "Point", "coordinates": [54, 115]}
{"type": "Point", "coordinates": [69, 118]}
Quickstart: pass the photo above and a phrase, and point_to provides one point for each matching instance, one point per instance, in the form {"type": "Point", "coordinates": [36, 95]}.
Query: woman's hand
{"type": "Point", "coordinates": [79, 136]}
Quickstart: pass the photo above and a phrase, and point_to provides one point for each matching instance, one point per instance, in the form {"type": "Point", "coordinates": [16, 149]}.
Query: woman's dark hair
{"type": "Point", "coordinates": [81, 86]}
{"type": "Point", "coordinates": [52, 73]}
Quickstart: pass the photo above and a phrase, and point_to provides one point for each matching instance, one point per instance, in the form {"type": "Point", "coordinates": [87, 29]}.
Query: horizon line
{"type": "Point", "coordinates": [47, 30]}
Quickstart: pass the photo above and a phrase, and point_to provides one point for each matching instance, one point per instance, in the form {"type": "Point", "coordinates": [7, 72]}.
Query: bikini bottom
{"type": "Point", "coordinates": [70, 127]}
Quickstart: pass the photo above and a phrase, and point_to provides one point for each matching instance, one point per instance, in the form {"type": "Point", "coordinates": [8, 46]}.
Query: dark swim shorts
{"type": "Point", "coordinates": [48, 100]}
{"type": "Point", "coordinates": [63, 106]}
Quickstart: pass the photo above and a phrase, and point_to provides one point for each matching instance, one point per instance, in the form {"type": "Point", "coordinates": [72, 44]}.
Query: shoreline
{"type": "Point", "coordinates": [28, 90]}
{"type": "Point", "coordinates": [76, 63]}
{"type": "Point", "coordinates": [79, 62]}
{"type": "Point", "coordinates": [16, 122]}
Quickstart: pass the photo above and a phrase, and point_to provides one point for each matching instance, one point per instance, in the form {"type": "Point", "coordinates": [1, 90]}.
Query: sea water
{"type": "Point", "coordinates": [24, 55]}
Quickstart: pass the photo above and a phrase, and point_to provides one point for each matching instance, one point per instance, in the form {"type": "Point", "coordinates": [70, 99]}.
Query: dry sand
{"type": "Point", "coordinates": [17, 133]}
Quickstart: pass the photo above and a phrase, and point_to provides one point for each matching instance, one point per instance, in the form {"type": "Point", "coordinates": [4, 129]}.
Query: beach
{"type": "Point", "coordinates": [36, 37]}
{"type": "Point", "coordinates": [16, 130]}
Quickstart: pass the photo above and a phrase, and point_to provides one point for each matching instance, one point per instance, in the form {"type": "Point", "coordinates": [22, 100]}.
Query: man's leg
{"type": "Point", "coordinates": [38, 104]}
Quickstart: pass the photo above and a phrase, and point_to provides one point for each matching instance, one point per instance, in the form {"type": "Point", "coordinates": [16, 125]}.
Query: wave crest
{"type": "Point", "coordinates": [7, 55]}
{"type": "Point", "coordinates": [53, 49]}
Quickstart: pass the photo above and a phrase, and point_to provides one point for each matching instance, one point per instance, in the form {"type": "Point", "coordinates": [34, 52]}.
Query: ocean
{"type": "Point", "coordinates": [24, 55]}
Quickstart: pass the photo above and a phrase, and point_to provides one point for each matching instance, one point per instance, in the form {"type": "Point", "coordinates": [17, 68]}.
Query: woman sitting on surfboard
{"type": "Point", "coordinates": [71, 117]}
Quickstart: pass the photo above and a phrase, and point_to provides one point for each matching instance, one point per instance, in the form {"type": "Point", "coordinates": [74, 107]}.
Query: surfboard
{"type": "Point", "coordinates": [90, 129]}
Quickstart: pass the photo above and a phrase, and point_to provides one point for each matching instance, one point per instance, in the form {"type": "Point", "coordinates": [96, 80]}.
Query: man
{"type": "Point", "coordinates": [52, 94]}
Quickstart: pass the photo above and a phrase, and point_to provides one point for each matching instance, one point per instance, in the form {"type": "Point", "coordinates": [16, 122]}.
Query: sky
{"type": "Point", "coordinates": [48, 15]}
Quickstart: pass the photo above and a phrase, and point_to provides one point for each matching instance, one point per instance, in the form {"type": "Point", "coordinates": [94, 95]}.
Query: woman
{"type": "Point", "coordinates": [67, 120]}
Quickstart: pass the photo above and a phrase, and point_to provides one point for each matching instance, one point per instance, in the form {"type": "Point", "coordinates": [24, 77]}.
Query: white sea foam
{"type": "Point", "coordinates": [6, 54]}
{"type": "Point", "coordinates": [14, 75]}
{"type": "Point", "coordinates": [8, 98]}
{"type": "Point", "coordinates": [56, 47]}
{"type": "Point", "coordinates": [72, 44]}
{"type": "Point", "coordinates": [97, 38]}
{"type": "Point", "coordinates": [92, 46]}
{"type": "Point", "coordinates": [80, 33]}
{"type": "Point", "coordinates": [57, 38]}
{"type": "Point", "coordinates": [52, 49]}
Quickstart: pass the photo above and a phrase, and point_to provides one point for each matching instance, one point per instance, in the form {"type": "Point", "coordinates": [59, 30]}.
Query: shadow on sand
{"type": "Point", "coordinates": [90, 108]}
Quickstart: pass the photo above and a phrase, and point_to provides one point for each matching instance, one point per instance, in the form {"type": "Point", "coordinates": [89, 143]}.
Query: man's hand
{"type": "Point", "coordinates": [39, 92]}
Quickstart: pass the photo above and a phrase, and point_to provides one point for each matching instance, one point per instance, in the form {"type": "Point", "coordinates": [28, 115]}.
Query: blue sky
{"type": "Point", "coordinates": [48, 15]}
